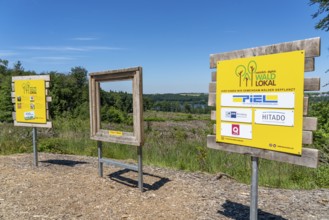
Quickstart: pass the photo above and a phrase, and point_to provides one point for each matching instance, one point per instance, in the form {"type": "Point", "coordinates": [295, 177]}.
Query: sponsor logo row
{"type": "Point", "coordinates": [261, 116]}
{"type": "Point", "coordinates": [264, 100]}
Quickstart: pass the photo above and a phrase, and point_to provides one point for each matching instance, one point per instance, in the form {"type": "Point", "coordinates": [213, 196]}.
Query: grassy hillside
{"type": "Point", "coordinates": [176, 140]}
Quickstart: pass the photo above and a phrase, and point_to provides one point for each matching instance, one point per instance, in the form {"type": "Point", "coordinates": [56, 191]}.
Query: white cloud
{"type": "Point", "coordinates": [69, 48]}
{"type": "Point", "coordinates": [57, 58]}
{"type": "Point", "coordinates": [84, 38]}
{"type": "Point", "coordinates": [7, 53]}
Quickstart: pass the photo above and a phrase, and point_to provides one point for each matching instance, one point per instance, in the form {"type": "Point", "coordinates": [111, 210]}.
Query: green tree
{"type": "Point", "coordinates": [323, 24]}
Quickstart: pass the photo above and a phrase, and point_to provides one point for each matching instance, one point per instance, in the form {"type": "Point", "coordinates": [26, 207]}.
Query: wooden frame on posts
{"type": "Point", "coordinates": [309, 157]}
{"type": "Point", "coordinates": [131, 138]}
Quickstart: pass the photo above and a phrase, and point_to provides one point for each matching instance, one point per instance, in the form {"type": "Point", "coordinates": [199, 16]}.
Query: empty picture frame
{"type": "Point", "coordinates": [96, 133]}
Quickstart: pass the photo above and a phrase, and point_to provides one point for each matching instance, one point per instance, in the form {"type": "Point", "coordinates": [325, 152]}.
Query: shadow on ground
{"type": "Point", "coordinates": [70, 163]}
{"type": "Point", "coordinates": [157, 183]}
{"type": "Point", "coordinates": [241, 212]}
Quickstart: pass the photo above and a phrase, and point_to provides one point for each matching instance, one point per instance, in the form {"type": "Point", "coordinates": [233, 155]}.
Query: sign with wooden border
{"type": "Point", "coordinates": [131, 138]}
{"type": "Point", "coordinates": [29, 96]}
{"type": "Point", "coordinates": [260, 101]}
{"type": "Point", "coordinates": [308, 157]}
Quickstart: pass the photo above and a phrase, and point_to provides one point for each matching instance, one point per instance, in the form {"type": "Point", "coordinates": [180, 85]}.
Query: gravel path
{"type": "Point", "coordinates": [67, 187]}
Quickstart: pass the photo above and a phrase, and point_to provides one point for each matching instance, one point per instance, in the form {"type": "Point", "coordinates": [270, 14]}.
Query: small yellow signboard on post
{"type": "Point", "coordinates": [260, 102]}
{"type": "Point", "coordinates": [30, 101]}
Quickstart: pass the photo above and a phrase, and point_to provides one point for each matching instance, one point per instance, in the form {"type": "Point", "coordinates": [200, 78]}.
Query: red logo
{"type": "Point", "coordinates": [235, 129]}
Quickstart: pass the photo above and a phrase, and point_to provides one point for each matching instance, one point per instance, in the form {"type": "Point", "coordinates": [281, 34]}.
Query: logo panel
{"type": "Point", "coordinates": [264, 100]}
{"type": "Point", "coordinates": [274, 117]}
{"type": "Point", "coordinates": [236, 114]}
{"type": "Point", "coordinates": [236, 130]}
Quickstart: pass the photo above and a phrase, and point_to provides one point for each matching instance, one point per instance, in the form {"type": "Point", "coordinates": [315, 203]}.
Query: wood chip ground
{"type": "Point", "coordinates": [68, 187]}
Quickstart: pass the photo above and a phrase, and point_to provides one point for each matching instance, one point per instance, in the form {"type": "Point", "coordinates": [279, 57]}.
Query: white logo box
{"type": "Point", "coordinates": [283, 100]}
{"type": "Point", "coordinates": [245, 130]}
{"type": "Point", "coordinates": [274, 117]}
{"type": "Point", "coordinates": [236, 114]}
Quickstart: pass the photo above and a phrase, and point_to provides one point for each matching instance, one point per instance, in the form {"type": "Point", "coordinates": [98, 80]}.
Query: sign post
{"type": "Point", "coordinates": [135, 138]}
{"type": "Point", "coordinates": [29, 96]}
{"type": "Point", "coordinates": [260, 107]}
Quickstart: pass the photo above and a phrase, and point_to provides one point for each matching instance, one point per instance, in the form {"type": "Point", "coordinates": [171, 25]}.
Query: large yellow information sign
{"type": "Point", "coordinates": [30, 101]}
{"type": "Point", "coordinates": [260, 102]}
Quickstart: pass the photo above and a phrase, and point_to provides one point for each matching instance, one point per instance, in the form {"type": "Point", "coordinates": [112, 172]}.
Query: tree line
{"type": "Point", "coordinates": [70, 97]}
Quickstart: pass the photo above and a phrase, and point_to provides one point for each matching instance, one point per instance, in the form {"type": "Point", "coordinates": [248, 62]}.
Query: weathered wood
{"type": "Point", "coordinates": [308, 67]}
{"type": "Point", "coordinates": [309, 157]}
{"type": "Point", "coordinates": [310, 84]}
{"type": "Point", "coordinates": [309, 64]}
{"type": "Point", "coordinates": [48, 99]}
{"type": "Point", "coordinates": [92, 106]}
{"type": "Point", "coordinates": [310, 123]}
{"type": "Point", "coordinates": [35, 125]}
{"type": "Point", "coordinates": [134, 74]}
{"type": "Point", "coordinates": [305, 106]}
{"type": "Point", "coordinates": [47, 85]}
{"type": "Point", "coordinates": [311, 47]}
{"type": "Point", "coordinates": [138, 106]}
{"type": "Point", "coordinates": [34, 77]}
{"type": "Point", "coordinates": [212, 99]}
{"type": "Point", "coordinates": [307, 136]}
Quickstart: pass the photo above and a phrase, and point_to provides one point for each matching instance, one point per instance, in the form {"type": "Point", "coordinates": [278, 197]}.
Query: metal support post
{"type": "Point", "coordinates": [100, 163]}
{"type": "Point", "coordinates": [35, 149]}
{"type": "Point", "coordinates": [254, 189]}
{"type": "Point", "coordinates": [140, 168]}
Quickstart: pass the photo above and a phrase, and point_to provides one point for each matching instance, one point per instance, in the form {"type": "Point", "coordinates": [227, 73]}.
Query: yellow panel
{"type": "Point", "coordinates": [30, 101]}
{"type": "Point", "coordinates": [269, 86]}
{"type": "Point", "coordinates": [115, 133]}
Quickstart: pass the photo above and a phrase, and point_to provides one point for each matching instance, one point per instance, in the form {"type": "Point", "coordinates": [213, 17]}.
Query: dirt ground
{"type": "Point", "coordinates": [68, 187]}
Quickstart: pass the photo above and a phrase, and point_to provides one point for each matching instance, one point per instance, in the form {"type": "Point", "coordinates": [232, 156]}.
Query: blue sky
{"type": "Point", "coordinates": [170, 39]}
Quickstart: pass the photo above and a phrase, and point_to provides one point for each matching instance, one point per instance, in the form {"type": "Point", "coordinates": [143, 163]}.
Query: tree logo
{"type": "Point", "coordinates": [246, 74]}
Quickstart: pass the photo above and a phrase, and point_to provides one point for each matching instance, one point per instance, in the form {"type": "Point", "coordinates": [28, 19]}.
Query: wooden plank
{"type": "Point", "coordinates": [46, 125]}
{"type": "Point", "coordinates": [117, 73]}
{"type": "Point", "coordinates": [138, 106]}
{"type": "Point", "coordinates": [311, 47]}
{"type": "Point", "coordinates": [307, 136]}
{"type": "Point", "coordinates": [212, 99]}
{"type": "Point", "coordinates": [305, 106]}
{"type": "Point", "coordinates": [126, 138]}
{"type": "Point", "coordinates": [310, 84]}
{"type": "Point", "coordinates": [34, 77]}
{"type": "Point", "coordinates": [47, 85]}
{"type": "Point", "coordinates": [309, 157]}
{"type": "Point", "coordinates": [309, 66]}
{"type": "Point", "coordinates": [310, 123]}
{"type": "Point", "coordinates": [48, 99]}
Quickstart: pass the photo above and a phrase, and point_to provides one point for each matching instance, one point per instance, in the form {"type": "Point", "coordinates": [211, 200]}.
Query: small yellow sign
{"type": "Point", "coordinates": [115, 133]}
{"type": "Point", "coordinates": [30, 101]}
{"type": "Point", "coordinates": [260, 102]}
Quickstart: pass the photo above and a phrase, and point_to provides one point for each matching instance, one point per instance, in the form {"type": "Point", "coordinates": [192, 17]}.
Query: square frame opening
{"type": "Point", "coordinates": [136, 137]}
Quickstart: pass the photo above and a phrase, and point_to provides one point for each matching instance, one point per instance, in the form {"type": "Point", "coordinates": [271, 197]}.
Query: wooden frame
{"type": "Point", "coordinates": [96, 133]}
{"type": "Point", "coordinates": [46, 78]}
{"type": "Point", "coordinates": [309, 157]}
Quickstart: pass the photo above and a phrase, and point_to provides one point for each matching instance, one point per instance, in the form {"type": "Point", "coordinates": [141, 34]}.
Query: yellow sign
{"type": "Point", "coordinates": [30, 101]}
{"type": "Point", "coordinates": [115, 133]}
{"type": "Point", "coordinates": [260, 102]}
